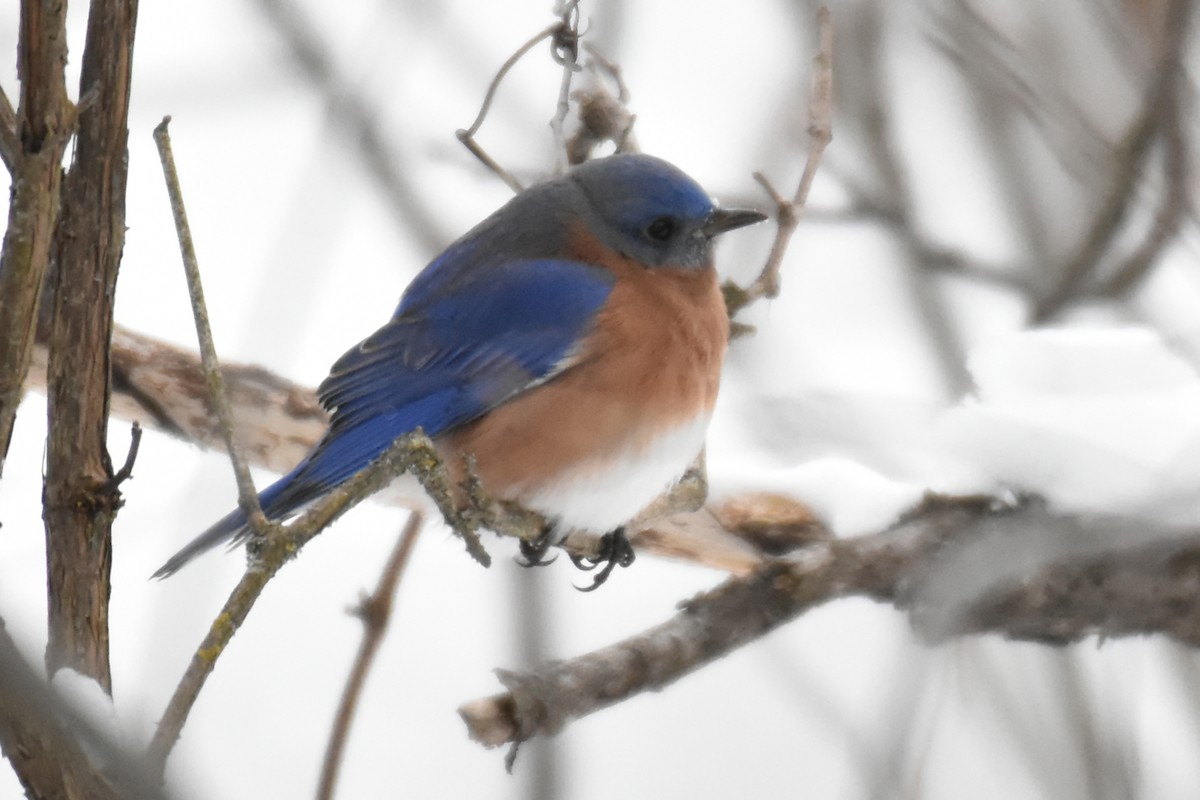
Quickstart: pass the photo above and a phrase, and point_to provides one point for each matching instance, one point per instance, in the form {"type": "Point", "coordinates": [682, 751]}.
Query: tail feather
{"type": "Point", "coordinates": [229, 528]}
{"type": "Point", "coordinates": [277, 501]}
{"type": "Point", "coordinates": [334, 460]}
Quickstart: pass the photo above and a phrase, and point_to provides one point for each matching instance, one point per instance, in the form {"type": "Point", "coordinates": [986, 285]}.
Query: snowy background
{"type": "Point", "coordinates": [871, 379]}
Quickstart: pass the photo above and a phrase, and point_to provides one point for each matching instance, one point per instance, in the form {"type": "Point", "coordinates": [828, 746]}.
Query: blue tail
{"type": "Point", "coordinates": [335, 459]}
{"type": "Point", "coordinates": [234, 527]}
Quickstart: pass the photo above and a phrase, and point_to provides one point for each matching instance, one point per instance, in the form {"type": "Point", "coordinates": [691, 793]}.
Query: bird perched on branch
{"type": "Point", "coordinates": [571, 342]}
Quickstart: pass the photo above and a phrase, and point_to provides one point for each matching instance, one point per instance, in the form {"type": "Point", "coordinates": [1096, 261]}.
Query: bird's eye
{"type": "Point", "coordinates": [661, 229]}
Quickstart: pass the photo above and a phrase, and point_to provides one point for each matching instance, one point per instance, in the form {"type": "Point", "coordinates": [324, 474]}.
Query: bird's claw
{"type": "Point", "coordinates": [533, 551]}
{"type": "Point", "coordinates": [615, 551]}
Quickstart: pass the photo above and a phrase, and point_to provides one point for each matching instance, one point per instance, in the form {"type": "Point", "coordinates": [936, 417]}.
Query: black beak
{"type": "Point", "coordinates": [722, 220]}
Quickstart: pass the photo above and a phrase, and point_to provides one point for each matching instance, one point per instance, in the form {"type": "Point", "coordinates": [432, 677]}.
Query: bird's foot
{"type": "Point", "coordinates": [615, 550]}
{"type": "Point", "coordinates": [533, 551]}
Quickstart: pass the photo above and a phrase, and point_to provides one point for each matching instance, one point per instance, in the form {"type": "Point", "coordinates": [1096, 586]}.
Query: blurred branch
{"type": "Point", "coordinates": [375, 610]}
{"type": "Point", "coordinates": [45, 121]}
{"type": "Point", "coordinates": [789, 212]}
{"type": "Point", "coordinates": [354, 114]}
{"type": "Point", "coordinates": [868, 98]}
{"type": "Point", "coordinates": [957, 566]}
{"type": "Point", "coordinates": [934, 257]}
{"type": "Point", "coordinates": [53, 751]}
{"type": "Point", "coordinates": [276, 421]}
{"type": "Point", "coordinates": [1174, 113]}
{"type": "Point", "coordinates": [1156, 117]}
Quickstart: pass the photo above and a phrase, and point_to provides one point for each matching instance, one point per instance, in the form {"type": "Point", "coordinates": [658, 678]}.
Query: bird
{"type": "Point", "coordinates": [571, 343]}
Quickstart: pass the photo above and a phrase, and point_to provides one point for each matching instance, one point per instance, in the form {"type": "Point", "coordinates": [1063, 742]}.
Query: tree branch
{"type": "Point", "coordinates": [45, 120]}
{"type": "Point", "coordinates": [81, 499]}
{"type": "Point", "coordinates": [358, 119]}
{"type": "Point", "coordinates": [957, 566]}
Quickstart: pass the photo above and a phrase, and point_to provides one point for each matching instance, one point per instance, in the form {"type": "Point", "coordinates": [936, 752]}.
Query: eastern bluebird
{"type": "Point", "coordinates": [571, 342]}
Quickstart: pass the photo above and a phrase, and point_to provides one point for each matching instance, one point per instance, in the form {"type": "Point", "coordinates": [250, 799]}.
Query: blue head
{"type": "Point", "coordinates": [652, 212]}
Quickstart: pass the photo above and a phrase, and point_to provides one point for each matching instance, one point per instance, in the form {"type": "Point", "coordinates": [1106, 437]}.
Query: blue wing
{"type": "Point", "coordinates": [456, 347]}
{"type": "Point", "coordinates": [447, 360]}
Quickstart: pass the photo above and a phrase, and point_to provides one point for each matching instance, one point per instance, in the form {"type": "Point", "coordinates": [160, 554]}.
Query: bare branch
{"type": "Point", "coordinates": [247, 494]}
{"type": "Point", "coordinates": [375, 611]}
{"type": "Point", "coordinates": [126, 470]}
{"type": "Point", "coordinates": [46, 120]}
{"type": "Point", "coordinates": [789, 212]}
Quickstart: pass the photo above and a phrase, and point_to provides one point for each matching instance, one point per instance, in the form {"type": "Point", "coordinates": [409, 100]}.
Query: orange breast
{"type": "Point", "coordinates": [652, 362]}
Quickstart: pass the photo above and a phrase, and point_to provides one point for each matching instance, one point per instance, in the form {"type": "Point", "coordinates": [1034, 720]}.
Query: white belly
{"type": "Point", "coordinates": [603, 494]}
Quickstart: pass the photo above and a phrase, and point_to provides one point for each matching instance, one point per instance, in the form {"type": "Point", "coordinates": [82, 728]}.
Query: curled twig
{"type": "Point", "coordinates": [467, 135]}
{"type": "Point", "coordinates": [564, 49]}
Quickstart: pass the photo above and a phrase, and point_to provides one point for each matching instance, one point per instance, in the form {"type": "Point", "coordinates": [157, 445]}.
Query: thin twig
{"type": "Point", "coordinates": [409, 453]}
{"type": "Point", "coordinates": [789, 212]}
{"type": "Point", "coordinates": [499, 76]}
{"type": "Point", "coordinates": [467, 135]}
{"type": "Point", "coordinates": [565, 49]}
{"type": "Point", "coordinates": [486, 159]}
{"type": "Point", "coordinates": [375, 611]}
{"type": "Point", "coordinates": [126, 470]}
{"type": "Point", "coordinates": [247, 494]}
{"type": "Point", "coordinates": [564, 36]}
